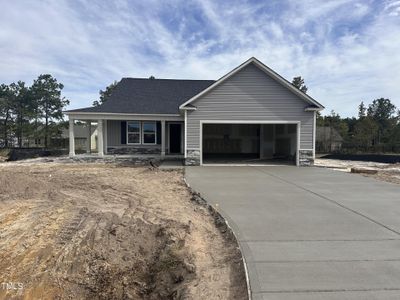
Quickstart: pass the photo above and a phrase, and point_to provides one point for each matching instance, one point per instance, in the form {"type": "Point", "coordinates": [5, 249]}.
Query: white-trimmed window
{"type": "Point", "coordinates": [149, 133]}
{"type": "Point", "coordinates": [133, 132]}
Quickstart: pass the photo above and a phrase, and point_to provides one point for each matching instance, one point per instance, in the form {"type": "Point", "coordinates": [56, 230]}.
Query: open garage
{"type": "Point", "coordinates": [253, 143]}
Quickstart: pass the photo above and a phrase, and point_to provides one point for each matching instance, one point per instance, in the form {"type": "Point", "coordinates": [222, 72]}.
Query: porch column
{"type": "Point", "coordinates": [273, 138]}
{"type": "Point", "coordinates": [88, 136]}
{"type": "Point", "coordinates": [100, 147]}
{"type": "Point", "coordinates": [71, 138]}
{"type": "Point", "coordinates": [163, 138]}
{"type": "Point", "coordinates": [105, 142]}
{"type": "Point", "coordinates": [261, 141]}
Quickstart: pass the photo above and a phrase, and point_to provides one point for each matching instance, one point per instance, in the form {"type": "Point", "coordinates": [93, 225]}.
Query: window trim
{"type": "Point", "coordinates": [155, 132]}
{"type": "Point", "coordinates": [139, 133]}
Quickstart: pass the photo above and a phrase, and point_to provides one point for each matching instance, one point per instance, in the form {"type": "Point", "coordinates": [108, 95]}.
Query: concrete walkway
{"type": "Point", "coordinates": [309, 233]}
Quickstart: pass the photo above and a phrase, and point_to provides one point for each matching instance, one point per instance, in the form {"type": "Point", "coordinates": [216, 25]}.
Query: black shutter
{"type": "Point", "coordinates": [158, 133]}
{"type": "Point", "coordinates": [123, 132]}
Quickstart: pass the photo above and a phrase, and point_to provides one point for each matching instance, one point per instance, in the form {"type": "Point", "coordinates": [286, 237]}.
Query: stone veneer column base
{"type": "Point", "coordinates": [192, 158]}
{"type": "Point", "coordinates": [306, 158]}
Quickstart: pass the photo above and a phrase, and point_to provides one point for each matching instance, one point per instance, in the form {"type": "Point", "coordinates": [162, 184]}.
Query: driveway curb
{"type": "Point", "coordinates": [224, 217]}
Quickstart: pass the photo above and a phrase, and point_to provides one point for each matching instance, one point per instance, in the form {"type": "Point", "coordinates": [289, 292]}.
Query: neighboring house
{"type": "Point", "coordinates": [328, 139]}
{"type": "Point", "coordinates": [81, 132]}
{"type": "Point", "coordinates": [31, 142]}
{"type": "Point", "coordinates": [81, 137]}
{"type": "Point", "coordinates": [250, 113]}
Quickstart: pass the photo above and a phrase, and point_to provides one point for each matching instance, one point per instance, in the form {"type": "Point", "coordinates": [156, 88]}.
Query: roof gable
{"type": "Point", "coordinates": [314, 105]}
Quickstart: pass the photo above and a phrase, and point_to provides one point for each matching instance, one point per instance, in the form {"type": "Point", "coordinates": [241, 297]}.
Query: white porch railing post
{"type": "Point", "coordinates": [71, 138]}
{"type": "Point", "coordinates": [100, 147]}
{"type": "Point", "coordinates": [163, 138]}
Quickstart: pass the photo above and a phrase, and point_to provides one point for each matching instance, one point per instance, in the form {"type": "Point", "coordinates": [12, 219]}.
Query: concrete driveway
{"type": "Point", "coordinates": [309, 233]}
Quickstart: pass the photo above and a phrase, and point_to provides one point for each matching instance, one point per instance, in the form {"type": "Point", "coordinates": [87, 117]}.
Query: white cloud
{"type": "Point", "coordinates": [393, 7]}
{"type": "Point", "coordinates": [347, 50]}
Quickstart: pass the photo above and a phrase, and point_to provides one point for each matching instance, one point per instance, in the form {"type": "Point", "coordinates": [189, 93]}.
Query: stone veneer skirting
{"type": "Point", "coordinates": [192, 158]}
{"type": "Point", "coordinates": [134, 150]}
{"type": "Point", "coordinates": [306, 158]}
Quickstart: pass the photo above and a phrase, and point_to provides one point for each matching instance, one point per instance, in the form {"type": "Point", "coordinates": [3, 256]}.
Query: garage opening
{"type": "Point", "coordinates": [249, 143]}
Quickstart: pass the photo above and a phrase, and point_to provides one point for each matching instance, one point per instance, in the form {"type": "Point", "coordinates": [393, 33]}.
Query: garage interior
{"type": "Point", "coordinates": [249, 143]}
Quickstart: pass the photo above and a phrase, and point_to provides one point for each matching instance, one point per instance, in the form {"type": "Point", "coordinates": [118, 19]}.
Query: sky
{"type": "Point", "coordinates": [348, 51]}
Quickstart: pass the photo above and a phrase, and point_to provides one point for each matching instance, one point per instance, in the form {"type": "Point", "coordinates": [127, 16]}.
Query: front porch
{"type": "Point", "coordinates": [130, 136]}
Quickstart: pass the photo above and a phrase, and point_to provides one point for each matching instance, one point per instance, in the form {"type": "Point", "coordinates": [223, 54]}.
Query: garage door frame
{"type": "Point", "coordinates": [298, 126]}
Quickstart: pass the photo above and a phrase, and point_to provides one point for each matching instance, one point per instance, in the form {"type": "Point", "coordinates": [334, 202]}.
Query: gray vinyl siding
{"type": "Point", "coordinates": [249, 95]}
{"type": "Point", "coordinates": [114, 133]}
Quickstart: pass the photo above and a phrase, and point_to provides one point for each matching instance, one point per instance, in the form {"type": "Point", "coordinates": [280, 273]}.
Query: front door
{"type": "Point", "coordinates": [175, 132]}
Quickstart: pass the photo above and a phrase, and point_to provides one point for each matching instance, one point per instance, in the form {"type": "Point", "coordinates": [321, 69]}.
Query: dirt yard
{"type": "Point", "coordinates": [381, 171]}
{"type": "Point", "coordinates": [95, 231]}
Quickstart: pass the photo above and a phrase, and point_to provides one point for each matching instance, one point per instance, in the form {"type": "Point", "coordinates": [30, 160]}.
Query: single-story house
{"type": "Point", "coordinates": [82, 142]}
{"type": "Point", "coordinates": [250, 114]}
{"type": "Point", "coordinates": [85, 137]}
{"type": "Point", "coordinates": [328, 139]}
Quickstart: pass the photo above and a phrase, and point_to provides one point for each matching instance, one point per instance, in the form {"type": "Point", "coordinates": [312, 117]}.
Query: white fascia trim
{"type": "Point", "coordinates": [187, 108]}
{"type": "Point", "coordinates": [134, 117]}
{"type": "Point", "coordinates": [264, 68]}
{"type": "Point", "coordinates": [156, 146]}
{"type": "Point", "coordinates": [313, 109]}
{"type": "Point", "coordinates": [118, 114]}
{"type": "Point", "coordinates": [247, 122]}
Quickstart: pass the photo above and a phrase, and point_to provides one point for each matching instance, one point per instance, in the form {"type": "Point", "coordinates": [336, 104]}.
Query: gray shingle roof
{"type": "Point", "coordinates": [149, 96]}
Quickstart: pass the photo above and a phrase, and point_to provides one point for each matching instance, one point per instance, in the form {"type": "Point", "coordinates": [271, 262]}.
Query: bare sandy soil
{"type": "Point", "coordinates": [95, 231]}
{"type": "Point", "coordinates": [385, 172]}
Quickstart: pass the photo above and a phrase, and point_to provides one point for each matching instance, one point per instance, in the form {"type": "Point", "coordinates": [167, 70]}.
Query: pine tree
{"type": "Point", "coordinates": [299, 83]}
{"type": "Point", "coordinates": [47, 92]}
